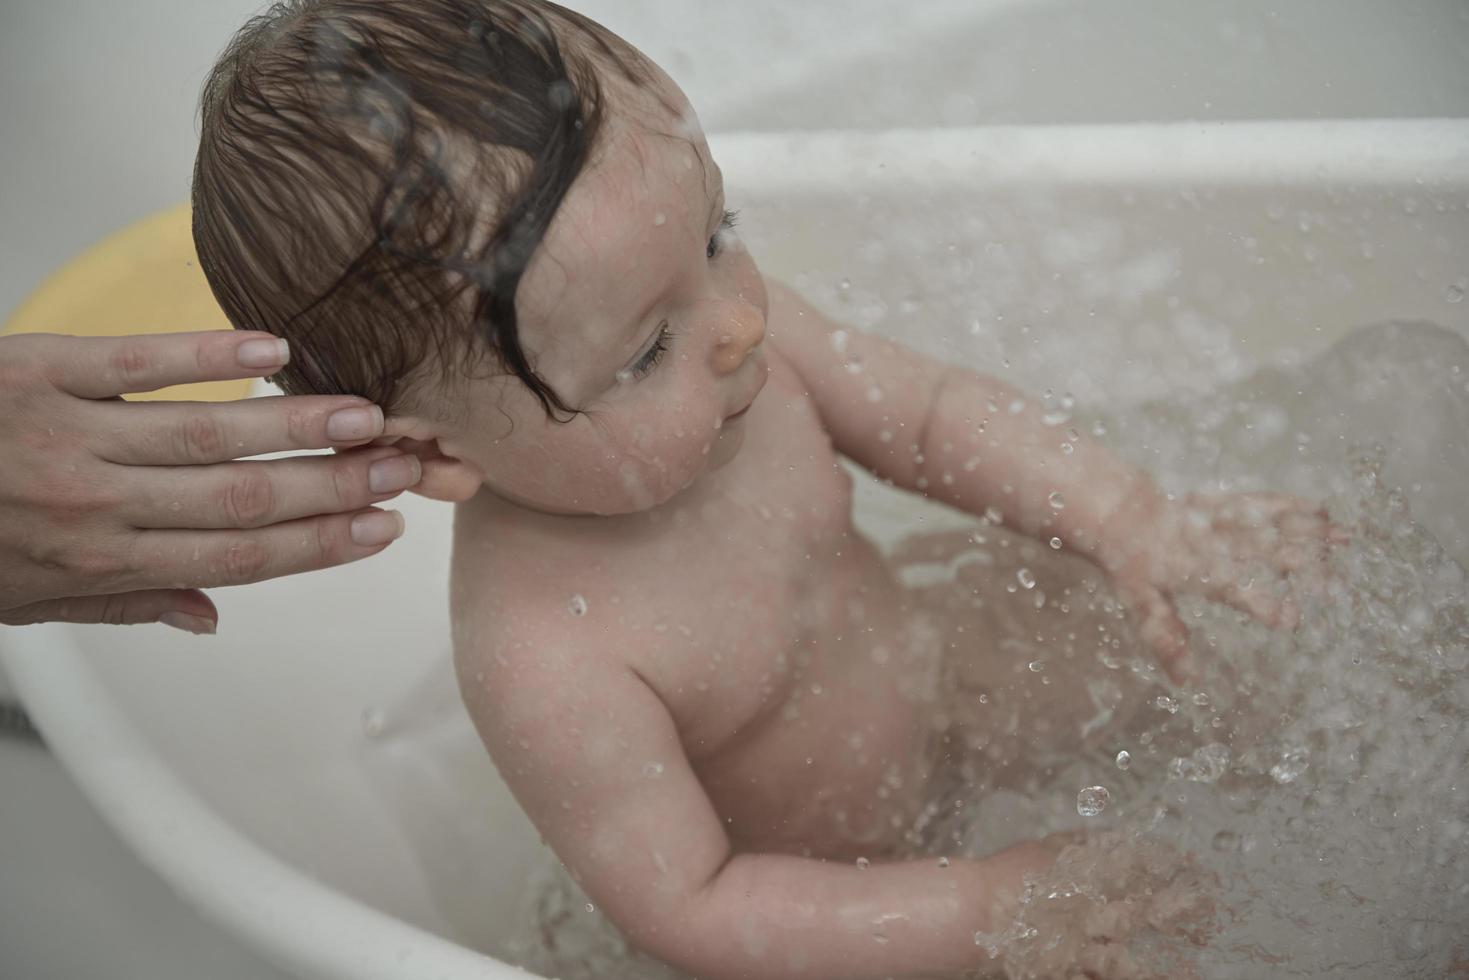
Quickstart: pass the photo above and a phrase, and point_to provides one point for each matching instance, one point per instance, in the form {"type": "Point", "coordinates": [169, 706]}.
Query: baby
{"type": "Point", "coordinates": [713, 697]}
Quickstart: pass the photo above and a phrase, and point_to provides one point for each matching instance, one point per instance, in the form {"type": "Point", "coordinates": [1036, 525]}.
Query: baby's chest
{"type": "Point", "coordinates": [750, 586]}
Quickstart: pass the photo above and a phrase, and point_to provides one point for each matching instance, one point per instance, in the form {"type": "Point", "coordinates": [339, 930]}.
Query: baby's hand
{"type": "Point", "coordinates": [1114, 908]}
{"type": "Point", "coordinates": [1232, 548]}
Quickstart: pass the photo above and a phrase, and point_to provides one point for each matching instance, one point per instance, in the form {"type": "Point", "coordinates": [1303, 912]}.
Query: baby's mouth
{"type": "Point", "coordinates": [764, 376]}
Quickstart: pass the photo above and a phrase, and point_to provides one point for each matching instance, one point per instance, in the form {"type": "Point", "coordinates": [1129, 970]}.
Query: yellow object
{"type": "Point", "coordinates": [142, 279]}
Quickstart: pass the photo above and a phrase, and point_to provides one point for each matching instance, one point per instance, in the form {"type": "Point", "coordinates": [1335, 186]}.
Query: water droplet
{"type": "Point", "coordinates": [372, 721]}
{"type": "Point", "coordinates": [577, 605]}
{"type": "Point", "coordinates": [1206, 765]}
{"type": "Point", "coordinates": [1168, 704]}
{"type": "Point", "coordinates": [660, 219]}
{"type": "Point", "coordinates": [1124, 760]}
{"type": "Point", "coordinates": [1036, 666]}
{"type": "Point", "coordinates": [1293, 763]}
{"type": "Point", "coordinates": [1025, 578]}
{"type": "Point", "coordinates": [653, 770]}
{"type": "Point", "coordinates": [943, 862]}
{"type": "Point", "coordinates": [591, 907]}
{"type": "Point", "coordinates": [1056, 543]}
{"type": "Point", "coordinates": [844, 285]}
{"type": "Point", "coordinates": [1056, 501]}
{"type": "Point", "coordinates": [1092, 800]}
{"type": "Point", "coordinates": [1454, 293]}
{"type": "Point", "coordinates": [863, 864]}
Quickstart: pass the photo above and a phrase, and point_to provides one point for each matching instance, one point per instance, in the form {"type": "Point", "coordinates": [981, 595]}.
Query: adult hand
{"type": "Point", "coordinates": [119, 512]}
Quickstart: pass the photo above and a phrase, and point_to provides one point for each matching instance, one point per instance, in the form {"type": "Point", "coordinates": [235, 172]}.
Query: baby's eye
{"type": "Point", "coordinates": [649, 360]}
{"type": "Point", "coordinates": [730, 219]}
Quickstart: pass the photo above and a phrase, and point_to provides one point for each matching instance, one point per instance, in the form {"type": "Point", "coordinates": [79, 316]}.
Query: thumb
{"type": "Point", "coordinates": [186, 609]}
{"type": "Point", "coordinates": [1161, 629]}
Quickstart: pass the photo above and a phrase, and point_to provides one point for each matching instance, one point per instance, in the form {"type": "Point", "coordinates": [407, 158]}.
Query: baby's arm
{"type": "Point", "coordinates": [593, 756]}
{"type": "Point", "coordinates": [928, 426]}
{"type": "Point", "coordinates": [974, 442]}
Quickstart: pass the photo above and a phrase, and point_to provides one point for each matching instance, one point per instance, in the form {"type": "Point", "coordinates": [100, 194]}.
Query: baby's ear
{"type": "Point", "coordinates": [444, 477]}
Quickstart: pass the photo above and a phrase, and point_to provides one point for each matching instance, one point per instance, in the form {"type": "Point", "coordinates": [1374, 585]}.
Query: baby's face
{"type": "Point", "coordinates": [640, 307]}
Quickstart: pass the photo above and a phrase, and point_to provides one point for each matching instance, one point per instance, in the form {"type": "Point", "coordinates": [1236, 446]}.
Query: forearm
{"type": "Point", "coordinates": [774, 916]}
{"type": "Point", "coordinates": [986, 446]}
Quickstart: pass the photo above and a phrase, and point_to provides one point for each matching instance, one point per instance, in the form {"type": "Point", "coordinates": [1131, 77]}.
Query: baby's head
{"type": "Point", "coordinates": [497, 220]}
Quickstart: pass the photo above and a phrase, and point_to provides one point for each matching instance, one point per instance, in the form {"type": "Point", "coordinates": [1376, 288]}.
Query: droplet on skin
{"type": "Point", "coordinates": [577, 605]}
{"type": "Point", "coordinates": [863, 864]}
{"type": "Point", "coordinates": [1092, 800]}
{"type": "Point", "coordinates": [660, 219]}
{"type": "Point", "coordinates": [1124, 760]}
{"type": "Point", "coordinates": [1056, 544]}
{"type": "Point", "coordinates": [1056, 501]}
{"type": "Point", "coordinates": [1026, 578]}
{"type": "Point", "coordinates": [653, 770]}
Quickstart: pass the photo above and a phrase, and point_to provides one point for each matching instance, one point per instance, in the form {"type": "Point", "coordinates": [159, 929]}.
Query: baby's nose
{"type": "Point", "coordinates": [740, 331]}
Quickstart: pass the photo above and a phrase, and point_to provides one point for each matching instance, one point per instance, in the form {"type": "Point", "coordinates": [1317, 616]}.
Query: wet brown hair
{"type": "Point", "coordinates": [373, 177]}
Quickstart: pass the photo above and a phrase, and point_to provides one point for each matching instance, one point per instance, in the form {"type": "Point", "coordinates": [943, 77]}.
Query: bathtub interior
{"type": "Point", "coordinates": [322, 723]}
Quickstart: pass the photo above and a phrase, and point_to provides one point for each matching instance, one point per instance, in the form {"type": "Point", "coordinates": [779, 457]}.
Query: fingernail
{"type": "Point", "coordinates": [263, 354]}
{"type": "Point", "coordinates": [352, 424]}
{"type": "Point", "coordinates": [197, 625]}
{"type": "Point", "coordinates": [377, 527]}
{"type": "Point", "coordinates": [394, 473]}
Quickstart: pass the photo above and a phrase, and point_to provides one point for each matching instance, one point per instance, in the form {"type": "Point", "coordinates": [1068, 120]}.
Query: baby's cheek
{"type": "Point", "coordinates": [657, 462]}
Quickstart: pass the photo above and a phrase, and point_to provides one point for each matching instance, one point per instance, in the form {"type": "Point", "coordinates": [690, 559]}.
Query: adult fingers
{"type": "Point", "coordinates": [104, 367]}
{"type": "Point", "coordinates": [214, 558]}
{"type": "Point", "coordinates": [258, 493]}
{"type": "Point", "coordinates": [185, 609]}
{"type": "Point", "coordinates": [190, 433]}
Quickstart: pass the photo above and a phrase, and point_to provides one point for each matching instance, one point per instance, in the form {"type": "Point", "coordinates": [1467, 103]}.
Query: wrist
{"type": "Point", "coordinates": [1125, 528]}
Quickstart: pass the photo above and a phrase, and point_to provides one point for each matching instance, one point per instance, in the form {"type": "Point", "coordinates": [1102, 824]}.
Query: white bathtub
{"type": "Point", "coordinates": [306, 777]}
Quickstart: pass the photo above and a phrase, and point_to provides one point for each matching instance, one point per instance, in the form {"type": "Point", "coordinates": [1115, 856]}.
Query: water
{"type": "Point", "coordinates": [1302, 810]}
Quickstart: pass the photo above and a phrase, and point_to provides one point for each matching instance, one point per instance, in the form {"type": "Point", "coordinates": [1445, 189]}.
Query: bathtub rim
{"type": "Point", "coordinates": [1350, 152]}
{"type": "Point", "coordinates": [284, 913]}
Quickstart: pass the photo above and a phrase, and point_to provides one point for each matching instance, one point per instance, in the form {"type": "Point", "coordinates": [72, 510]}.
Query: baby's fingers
{"type": "Point", "coordinates": [1161, 629]}
{"type": "Point", "coordinates": [1262, 603]}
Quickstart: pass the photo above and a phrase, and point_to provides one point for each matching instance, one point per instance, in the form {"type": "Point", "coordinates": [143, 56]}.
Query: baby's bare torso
{"type": "Point", "coordinates": [772, 631]}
